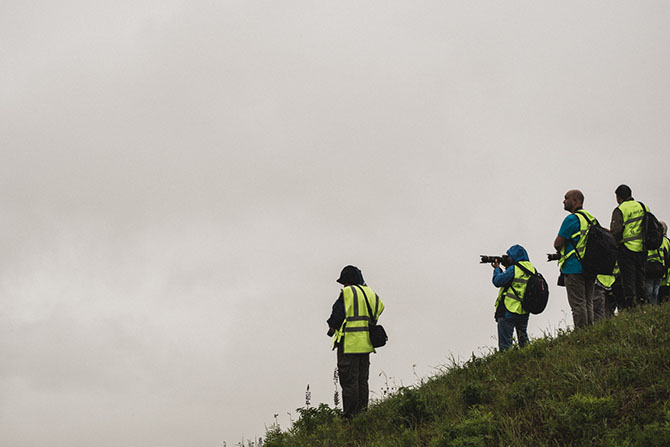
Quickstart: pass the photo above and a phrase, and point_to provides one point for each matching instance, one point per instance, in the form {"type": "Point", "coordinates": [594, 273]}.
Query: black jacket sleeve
{"type": "Point", "coordinates": [337, 315]}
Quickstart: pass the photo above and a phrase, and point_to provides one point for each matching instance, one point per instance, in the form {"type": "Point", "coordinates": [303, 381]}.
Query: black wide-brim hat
{"type": "Point", "coordinates": [351, 275]}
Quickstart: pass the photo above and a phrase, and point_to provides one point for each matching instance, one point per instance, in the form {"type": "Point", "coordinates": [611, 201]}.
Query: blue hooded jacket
{"type": "Point", "coordinates": [500, 278]}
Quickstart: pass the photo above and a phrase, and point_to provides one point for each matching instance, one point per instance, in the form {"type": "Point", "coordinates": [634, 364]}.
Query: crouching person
{"type": "Point", "coordinates": [512, 282]}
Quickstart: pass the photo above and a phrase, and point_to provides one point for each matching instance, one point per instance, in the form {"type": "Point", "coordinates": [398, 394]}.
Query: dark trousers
{"type": "Point", "coordinates": [663, 294]}
{"type": "Point", "coordinates": [619, 299]}
{"type": "Point", "coordinates": [632, 265]}
{"type": "Point", "coordinates": [354, 371]}
{"type": "Point", "coordinates": [506, 328]}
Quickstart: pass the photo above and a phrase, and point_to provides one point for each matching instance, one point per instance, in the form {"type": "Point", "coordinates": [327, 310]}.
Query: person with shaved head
{"type": "Point", "coordinates": [571, 245]}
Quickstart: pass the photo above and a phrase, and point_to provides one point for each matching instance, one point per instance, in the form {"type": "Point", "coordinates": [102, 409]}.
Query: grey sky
{"type": "Point", "coordinates": [182, 182]}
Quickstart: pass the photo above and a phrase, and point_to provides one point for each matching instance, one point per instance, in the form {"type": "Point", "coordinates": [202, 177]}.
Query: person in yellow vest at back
{"type": "Point", "coordinates": [627, 228]}
{"type": "Point", "coordinates": [664, 289]}
{"type": "Point", "coordinates": [349, 324]}
{"type": "Point", "coordinates": [512, 282]}
{"type": "Point", "coordinates": [657, 268]}
{"type": "Point", "coordinates": [604, 301]}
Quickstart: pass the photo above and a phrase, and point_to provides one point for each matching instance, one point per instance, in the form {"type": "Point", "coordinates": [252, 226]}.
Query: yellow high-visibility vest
{"type": "Point", "coordinates": [665, 249]}
{"type": "Point", "coordinates": [633, 215]}
{"type": "Point", "coordinates": [569, 248]}
{"type": "Point", "coordinates": [655, 256]}
{"type": "Point", "coordinates": [355, 328]}
{"type": "Point", "coordinates": [519, 283]}
{"type": "Point", "coordinates": [607, 281]}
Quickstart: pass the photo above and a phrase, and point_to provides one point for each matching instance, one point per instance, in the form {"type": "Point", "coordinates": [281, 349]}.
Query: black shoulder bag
{"type": "Point", "coordinates": [378, 336]}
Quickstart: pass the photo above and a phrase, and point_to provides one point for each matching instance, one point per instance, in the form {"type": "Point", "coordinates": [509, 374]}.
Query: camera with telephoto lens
{"type": "Point", "coordinates": [504, 259]}
{"type": "Point", "coordinates": [553, 257]}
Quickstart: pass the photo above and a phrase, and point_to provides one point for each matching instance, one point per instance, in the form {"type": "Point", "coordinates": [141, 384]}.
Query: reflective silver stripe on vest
{"type": "Point", "coordinates": [512, 295]}
{"type": "Point", "coordinates": [633, 238]}
{"type": "Point", "coordinates": [634, 219]}
{"type": "Point", "coordinates": [359, 318]}
{"type": "Point", "coordinates": [356, 329]}
{"type": "Point", "coordinates": [510, 292]}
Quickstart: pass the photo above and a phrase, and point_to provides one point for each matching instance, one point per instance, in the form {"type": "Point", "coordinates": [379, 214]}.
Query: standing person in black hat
{"type": "Point", "coordinates": [349, 324]}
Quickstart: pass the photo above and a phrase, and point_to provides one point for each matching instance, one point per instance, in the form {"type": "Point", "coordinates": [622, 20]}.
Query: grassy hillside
{"type": "Point", "coordinates": [606, 385]}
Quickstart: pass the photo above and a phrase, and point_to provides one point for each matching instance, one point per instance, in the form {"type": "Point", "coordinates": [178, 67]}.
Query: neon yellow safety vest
{"type": "Point", "coordinates": [568, 248]}
{"type": "Point", "coordinates": [655, 256]}
{"type": "Point", "coordinates": [665, 249]}
{"type": "Point", "coordinates": [355, 327]}
{"type": "Point", "coordinates": [660, 254]}
{"type": "Point", "coordinates": [633, 214]}
{"type": "Point", "coordinates": [607, 281]}
{"type": "Point", "coordinates": [519, 283]}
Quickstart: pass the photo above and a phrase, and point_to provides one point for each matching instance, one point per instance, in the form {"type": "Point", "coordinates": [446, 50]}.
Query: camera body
{"type": "Point", "coordinates": [553, 257]}
{"type": "Point", "coordinates": [504, 260]}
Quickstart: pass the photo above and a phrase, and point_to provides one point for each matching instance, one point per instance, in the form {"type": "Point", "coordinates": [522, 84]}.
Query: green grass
{"type": "Point", "coordinates": [605, 385]}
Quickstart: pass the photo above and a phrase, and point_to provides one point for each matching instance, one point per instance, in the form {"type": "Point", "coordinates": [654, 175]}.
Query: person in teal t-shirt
{"type": "Point", "coordinates": [578, 284]}
{"type": "Point", "coordinates": [569, 227]}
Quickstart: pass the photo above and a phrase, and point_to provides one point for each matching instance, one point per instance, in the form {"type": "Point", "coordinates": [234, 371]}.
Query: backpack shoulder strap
{"type": "Point", "coordinates": [518, 298]}
{"type": "Point", "coordinates": [591, 223]}
{"type": "Point", "coordinates": [645, 210]}
{"type": "Point", "coordinates": [525, 269]}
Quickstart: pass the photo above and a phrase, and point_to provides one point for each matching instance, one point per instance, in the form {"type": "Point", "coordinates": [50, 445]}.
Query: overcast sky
{"type": "Point", "coordinates": [182, 182]}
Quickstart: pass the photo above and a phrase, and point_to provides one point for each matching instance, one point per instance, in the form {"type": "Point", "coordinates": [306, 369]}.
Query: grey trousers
{"type": "Point", "coordinates": [580, 297]}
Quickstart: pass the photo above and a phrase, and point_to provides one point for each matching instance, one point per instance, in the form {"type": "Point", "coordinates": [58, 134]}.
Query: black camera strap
{"type": "Point", "coordinates": [373, 320]}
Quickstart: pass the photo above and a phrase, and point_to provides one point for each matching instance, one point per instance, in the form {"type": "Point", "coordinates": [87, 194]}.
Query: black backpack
{"type": "Point", "coordinates": [537, 292]}
{"type": "Point", "coordinates": [653, 231]}
{"type": "Point", "coordinates": [601, 249]}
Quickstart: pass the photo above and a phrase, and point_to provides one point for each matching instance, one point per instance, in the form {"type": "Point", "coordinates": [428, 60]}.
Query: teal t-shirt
{"type": "Point", "coordinates": [569, 227]}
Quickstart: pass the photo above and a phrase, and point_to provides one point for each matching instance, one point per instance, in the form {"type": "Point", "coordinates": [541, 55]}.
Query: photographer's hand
{"type": "Point", "coordinates": [495, 264]}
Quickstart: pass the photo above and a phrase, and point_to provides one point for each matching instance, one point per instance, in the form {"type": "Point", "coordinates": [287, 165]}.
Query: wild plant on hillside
{"type": "Point", "coordinates": [336, 396]}
{"type": "Point", "coordinates": [607, 385]}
